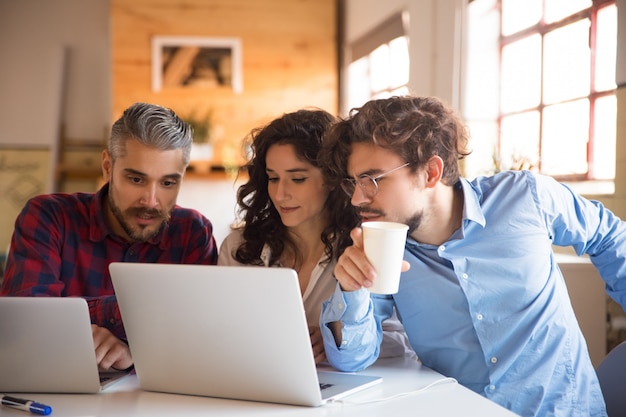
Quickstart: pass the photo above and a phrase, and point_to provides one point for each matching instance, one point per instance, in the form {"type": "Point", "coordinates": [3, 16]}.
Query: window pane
{"type": "Point", "coordinates": [519, 14]}
{"type": "Point", "coordinates": [521, 74]}
{"type": "Point", "coordinates": [558, 9]}
{"type": "Point", "coordinates": [482, 63]}
{"type": "Point", "coordinates": [606, 47]}
{"type": "Point", "coordinates": [604, 132]}
{"type": "Point", "coordinates": [519, 141]}
{"type": "Point", "coordinates": [567, 63]}
{"type": "Point", "coordinates": [484, 144]}
{"type": "Point", "coordinates": [380, 70]}
{"type": "Point", "coordinates": [399, 56]}
{"type": "Point", "coordinates": [564, 138]}
{"type": "Point", "coordinates": [358, 83]}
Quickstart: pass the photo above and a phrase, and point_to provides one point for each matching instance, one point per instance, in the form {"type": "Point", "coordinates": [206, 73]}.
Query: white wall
{"type": "Point", "coordinates": [216, 199]}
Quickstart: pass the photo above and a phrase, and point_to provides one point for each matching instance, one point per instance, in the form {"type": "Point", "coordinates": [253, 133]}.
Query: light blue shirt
{"type": "Point", "coordinates": [489, 307]}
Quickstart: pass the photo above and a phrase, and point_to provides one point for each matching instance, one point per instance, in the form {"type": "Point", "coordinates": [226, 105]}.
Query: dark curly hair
{"type": "Point", "coordinates": [415, 128]}
{"type": "Point", "coordinates": [302, 129]}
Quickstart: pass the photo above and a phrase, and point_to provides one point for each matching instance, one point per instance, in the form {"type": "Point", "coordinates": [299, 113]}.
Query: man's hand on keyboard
{"type": "Point", "coordinates": [111, 352]}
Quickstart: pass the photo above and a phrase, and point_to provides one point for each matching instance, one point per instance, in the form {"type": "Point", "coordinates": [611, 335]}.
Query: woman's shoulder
{"type": "Point", "coordinates": [234, 237]}
{"type": "Point", "coordinates": [231, 243]}
{"type": "Point", "coordinates": [229, 246]}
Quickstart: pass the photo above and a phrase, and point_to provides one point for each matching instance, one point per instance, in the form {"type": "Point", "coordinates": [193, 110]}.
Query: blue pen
{"type": "Point", "coordinates": [25, 405]}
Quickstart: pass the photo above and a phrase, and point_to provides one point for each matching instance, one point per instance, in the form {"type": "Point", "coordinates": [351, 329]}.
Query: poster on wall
{"type": "Point", "coordinates": [23, 174]}
{"type": "Point", "coordinates": [196, 62]}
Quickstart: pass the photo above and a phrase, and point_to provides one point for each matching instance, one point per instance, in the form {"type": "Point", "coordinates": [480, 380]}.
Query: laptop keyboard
{"type": "Point", "coordinates": [105, 378]}
{"type": "Point", "coordinates": [110, 376]}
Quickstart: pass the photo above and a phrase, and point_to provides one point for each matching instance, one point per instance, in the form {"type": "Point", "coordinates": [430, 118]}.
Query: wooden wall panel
{"type": "Point", "coordinates": [289, 57]}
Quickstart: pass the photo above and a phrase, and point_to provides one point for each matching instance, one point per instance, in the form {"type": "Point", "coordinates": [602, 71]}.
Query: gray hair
{"type": "Point", "coordinates": [151, 125]}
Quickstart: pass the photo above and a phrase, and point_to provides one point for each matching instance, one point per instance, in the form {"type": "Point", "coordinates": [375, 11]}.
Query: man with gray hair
{"type": "Point", "coordinates": [63, 244]}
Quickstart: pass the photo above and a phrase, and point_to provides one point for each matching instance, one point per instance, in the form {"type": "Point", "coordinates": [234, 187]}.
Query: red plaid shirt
{"type": "Point", "coordinates": [62, 246]}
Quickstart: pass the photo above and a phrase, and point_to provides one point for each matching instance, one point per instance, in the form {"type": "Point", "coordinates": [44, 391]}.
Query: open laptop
{"type": "Point", "coordinates": [46, 345]}
{"type": "Point", "coordinates": [224, 331]}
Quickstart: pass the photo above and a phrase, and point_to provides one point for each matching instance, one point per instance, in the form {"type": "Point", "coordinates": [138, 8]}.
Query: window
{"type": "Point", "coordinates": [379, 64]}
{"type": "Point", "coordinates": [555, 79]}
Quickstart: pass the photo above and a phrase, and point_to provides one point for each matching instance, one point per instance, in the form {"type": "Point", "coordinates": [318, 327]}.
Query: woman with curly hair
{"type": "Point", "coordinates": [291, 217]}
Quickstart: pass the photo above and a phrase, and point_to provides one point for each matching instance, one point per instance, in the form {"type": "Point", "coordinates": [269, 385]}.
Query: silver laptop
{"type": "Point", "coordinates": [224, 331]}
{"type": "Point", "coordinates": [46, 345]}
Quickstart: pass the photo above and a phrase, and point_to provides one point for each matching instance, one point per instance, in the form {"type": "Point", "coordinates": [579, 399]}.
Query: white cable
{"type": "Point", "coordinates": [393, 397]}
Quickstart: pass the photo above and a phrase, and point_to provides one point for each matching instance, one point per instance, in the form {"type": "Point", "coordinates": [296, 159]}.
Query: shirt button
{"type": "Point", "coordinates": [442, 248]}
{"type": "Point", "coordinates": [494, 359]}
{"type": "Point", "coordinates": [340, 306]}
{"type": "Point", "coordinates": [492, 387]}
{"type": "Point", "coordinates": [479, 316]}
{"type": "Point", "coordinates": [464, 276]}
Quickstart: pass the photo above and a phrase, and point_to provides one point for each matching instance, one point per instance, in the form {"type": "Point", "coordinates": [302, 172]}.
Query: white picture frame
{"type": "Point", "coordinates": [196, 62]}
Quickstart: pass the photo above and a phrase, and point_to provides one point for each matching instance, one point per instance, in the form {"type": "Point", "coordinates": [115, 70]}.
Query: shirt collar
{"type": "Point", "coordinates": [266, 254]}
{"type": "Point", "coordinates": [472, 210]}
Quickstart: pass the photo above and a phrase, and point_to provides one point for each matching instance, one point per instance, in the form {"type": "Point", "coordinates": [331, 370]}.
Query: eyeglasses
{"type": "Point", "coordinates": [369, 185]}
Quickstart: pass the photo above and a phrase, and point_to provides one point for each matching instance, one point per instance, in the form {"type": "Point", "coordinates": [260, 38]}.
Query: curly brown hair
{"type": "Point", "coordinates": [302, 129]}
{"type": "Point", "coordinates": [415, 128]}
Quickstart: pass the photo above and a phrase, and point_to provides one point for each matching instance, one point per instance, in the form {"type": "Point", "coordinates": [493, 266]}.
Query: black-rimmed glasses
{"type": "Point", "coordinates": [369, 185]}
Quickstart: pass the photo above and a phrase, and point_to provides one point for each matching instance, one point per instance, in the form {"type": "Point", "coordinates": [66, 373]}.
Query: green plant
{"type": "Point", "coordinates": [201, 126]}
{"type": "Point", "coordinates": [516, 162]}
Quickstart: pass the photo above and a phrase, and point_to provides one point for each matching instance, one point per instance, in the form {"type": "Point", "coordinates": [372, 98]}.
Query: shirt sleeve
{"type": "Point", "coordinates": [105, 312]}
{"type": "Point", "coordinates": [589, 228]}
{"type": "Point", "coordinates": [34, 262]}
{"type": "Point", "coordinates": [34, 265]}
{"type": "Point", "coordinates": [361, 330]}
{"type": "Point", "coordinates": [395, 340]}
{"type": "Point", "coordinates": [229, 245]}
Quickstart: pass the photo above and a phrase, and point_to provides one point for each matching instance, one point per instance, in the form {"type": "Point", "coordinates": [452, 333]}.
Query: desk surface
{"type": "Point", "coordinates": [402, 378]}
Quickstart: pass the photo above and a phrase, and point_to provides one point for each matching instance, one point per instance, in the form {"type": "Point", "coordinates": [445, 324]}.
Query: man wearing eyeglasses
{"type": "Point", "coordinates": [481, 297]}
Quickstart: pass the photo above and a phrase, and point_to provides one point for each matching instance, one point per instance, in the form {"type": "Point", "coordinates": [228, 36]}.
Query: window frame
{"type": "Point", "coordinates": [362, 48]}
{"type": "Point", "coordinates": [542, 28]}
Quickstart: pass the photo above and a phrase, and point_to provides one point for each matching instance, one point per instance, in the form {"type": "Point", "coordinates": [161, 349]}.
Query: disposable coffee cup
{"type": "Point", "coordinates": [383, 243]}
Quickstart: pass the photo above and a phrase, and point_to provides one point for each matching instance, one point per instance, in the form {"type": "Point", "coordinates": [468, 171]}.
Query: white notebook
{"type": "Point", "coordinates": [47, 346]}
{"type": "Point", "coordinates": [224, 331]}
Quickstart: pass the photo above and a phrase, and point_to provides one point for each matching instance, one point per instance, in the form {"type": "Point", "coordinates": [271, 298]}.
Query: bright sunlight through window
{"type": "Point", "coordinates": [382, 73]}
{"type": "Point", "coordinates": [550, 67]}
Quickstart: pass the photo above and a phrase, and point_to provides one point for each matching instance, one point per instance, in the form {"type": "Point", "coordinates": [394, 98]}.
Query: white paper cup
{"type": "Point", "coordinates": [383, 243]}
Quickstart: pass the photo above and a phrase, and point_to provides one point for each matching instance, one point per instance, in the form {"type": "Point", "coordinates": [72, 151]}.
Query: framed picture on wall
{"type": "Point", "coordinates": [196, 62]}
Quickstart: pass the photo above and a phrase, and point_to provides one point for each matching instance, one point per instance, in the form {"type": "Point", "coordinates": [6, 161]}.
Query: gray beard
{"type": "Point", "coordinates": [135, 235]}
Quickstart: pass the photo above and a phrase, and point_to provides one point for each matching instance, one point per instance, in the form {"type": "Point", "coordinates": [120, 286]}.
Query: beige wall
{"type": "Point", "coordinates": [288, 48]}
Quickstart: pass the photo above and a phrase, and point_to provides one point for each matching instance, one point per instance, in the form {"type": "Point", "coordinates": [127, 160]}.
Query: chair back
{"type": "Point", "coordinates": [612, 376]}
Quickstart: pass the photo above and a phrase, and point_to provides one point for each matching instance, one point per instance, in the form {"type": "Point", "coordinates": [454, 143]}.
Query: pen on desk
{"type": "Point", "coordinates": [25, 405]}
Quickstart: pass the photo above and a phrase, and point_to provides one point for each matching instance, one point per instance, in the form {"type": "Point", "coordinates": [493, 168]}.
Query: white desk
{"type": "Point", "coordinates": [126, 399]}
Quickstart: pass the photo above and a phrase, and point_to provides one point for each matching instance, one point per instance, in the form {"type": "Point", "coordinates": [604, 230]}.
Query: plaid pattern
{"type": "Point", "coordinates": [62, 246]}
